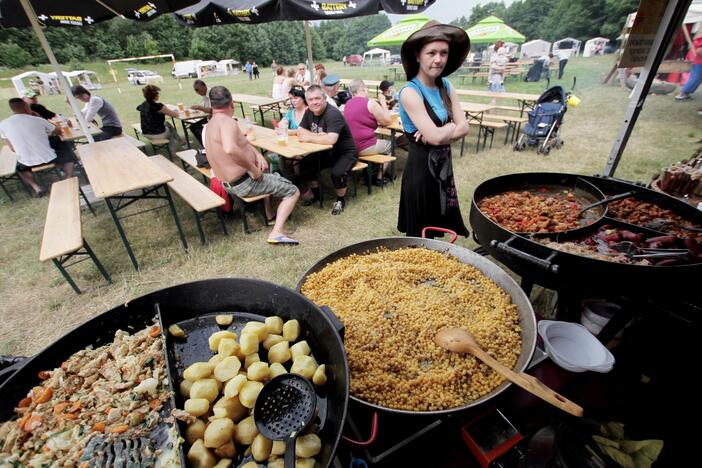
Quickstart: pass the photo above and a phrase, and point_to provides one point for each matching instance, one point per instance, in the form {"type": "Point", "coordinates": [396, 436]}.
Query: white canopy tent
{"type": "Point", "coordinates": [382, 55]}
{"type": "Point", "coordinates": [42, 82]}
{"type": "Point", "coordinates": [535, 48]}
{"type": "Point", "coordinates": [228, 66]}
{"type": "Point", "coordinates": [86, 78]}
{"type": "Point", "coordinates": [208, 68]}
{"type": "Point", "coordinates": [569, 45]}
{"type": "Point", "coordinates": [512, 49]}
{"type": "Point", "coordinates": [594, 46]}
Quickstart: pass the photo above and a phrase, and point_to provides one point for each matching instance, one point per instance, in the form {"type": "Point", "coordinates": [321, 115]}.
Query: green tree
{"type": "Point", "coordinates": [616, 12]}
{"type": "Point", "coordinates": [461, 22]}
{"type": "Point", "coordinates": [481, 12]}
{"type": "Point", "coordinates": [13, 56]}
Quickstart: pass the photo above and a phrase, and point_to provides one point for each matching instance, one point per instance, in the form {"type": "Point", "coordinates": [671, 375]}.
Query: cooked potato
{"type": "Point", "coordinates": [199, 456]}
{"type": "Point", "coordinates": [227, 369]}
{"type": "Point", "coordinates": [246, 431]}
{"type": "Point", "coordinates": [320, 376]}
{"type": "Point", "coordinates": [278, 448]}
{"type": "Point", "coordinates": [219, 432]}
{"type": "Point", "coordinates": [195, 431]}
{"type": "Point", "coordinates": [305, 462]}
{"type": "Point", "coordinates": [227, 450]}
{"type": "Point", "coordinates": [185, 388]}
{"type": "Point", "coordinates": [176, 331]}
{"type": "Point", "coordinates": [214, 338]}
{"type": "Point", "coordinates": [235, 410]}
{"type": "Point", "coordinates": [300, 349]}
{"type": "Point", "coordinates": [233, 386]}
{"type": "Point", "coordinates": [272, 340]}
{"type": "Point", "coordinates": [196, 406]}
{"type": "Point", "coordinates": [258, 328]}
{"type": "Point", "coordinates": [223, 463]}
{"type": "Point", "coordinates": [197, 371]}
{"type": "Point", "coordinates": [216, 359]}
{"type": "Point", "coordinates": [258, 371]}
{"type": "Point", "coordinates": [277, 369]}
{"type": "Point", "coordinates": [227, 347]}
{"type": "Point", "coordinates": [279, 352]}
{"type": "Point", "coordinates": [249, 392]}
{"type": "Point", "coordinates": [248, 344]}
{"type": "Point", "coordinates": [261, 448]}
{"type": "Point", "coordinates": [251, 465]}
{"type": "Point", "coordinates": [274, 324]}
{"type": "Point", "coordinates": [250, 359]}
{"type": "Point", "coordinates": [205, 388]}
{"type": "Point", "coordinates": [304, 366]}
{"type": "Point", "coordinates": [308, 445]}
{"type": "Point", "coordinates": [291, 330]}
{"type": "Point", "coordinates": [224, 319]}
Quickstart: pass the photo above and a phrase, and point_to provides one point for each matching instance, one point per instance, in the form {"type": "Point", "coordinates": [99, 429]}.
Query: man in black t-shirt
{"type": "Point", "coordinates": [325, 125]}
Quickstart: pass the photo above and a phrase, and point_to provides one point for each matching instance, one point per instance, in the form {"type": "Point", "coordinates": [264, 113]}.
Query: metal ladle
{"type": "Point", "coordinates": [605, 201]}
{"type": "Point", "coordinates": [459, 340]}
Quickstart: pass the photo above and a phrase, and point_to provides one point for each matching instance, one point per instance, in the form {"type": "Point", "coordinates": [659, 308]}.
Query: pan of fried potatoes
{"type": "Point", "coordinates": [225, 339]}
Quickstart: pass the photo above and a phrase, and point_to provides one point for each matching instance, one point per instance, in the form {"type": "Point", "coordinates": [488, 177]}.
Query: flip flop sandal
{"type": "Point", "coordinates": [282, 240]}
{"type": "Point", "coordinates": [270, 222]}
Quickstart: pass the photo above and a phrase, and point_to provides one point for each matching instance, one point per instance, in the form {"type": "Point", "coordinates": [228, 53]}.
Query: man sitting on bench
{"type": "Point", "coordinates": [28, 136]}
{"type": "Point", "coordinates": [241, 168]}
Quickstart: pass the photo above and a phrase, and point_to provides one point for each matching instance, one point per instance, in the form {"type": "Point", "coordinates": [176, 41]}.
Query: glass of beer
{"type": "Point", "coordinates": [281, 135]}
{"type": "Point", "coordinates": [181, 107]}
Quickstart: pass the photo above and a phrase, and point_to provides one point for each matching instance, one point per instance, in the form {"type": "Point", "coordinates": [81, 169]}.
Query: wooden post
{"type": "Point", "coordinates": [308, 37]}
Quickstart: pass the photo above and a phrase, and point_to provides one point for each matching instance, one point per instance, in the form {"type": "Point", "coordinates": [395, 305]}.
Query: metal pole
{"type": "Point", "coordinates": [674, 13]}
{"type": "Point", "coordinates": [308, 37]}
{"type": "Point", "coordinates": [32, 16]}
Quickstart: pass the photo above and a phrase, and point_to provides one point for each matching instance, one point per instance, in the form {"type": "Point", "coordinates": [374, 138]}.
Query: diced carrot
{"type": "Point", "coordinates": [84, 465]}
{"type": "Point", "coordinates": [23, 420]}
{"type": "Point", "coordinates": [99, 426]}
{"type": "Point", "coordinates": [155, 331]}
{"type": "Point", "coordinates": [107, 410]}
{"type": "Point", "coordinates": [43, 375]}
{"type": "Point", "coordinates": [70, 416]}
{"type": "Point", "coordinates": [60, 407]}
{"type": "Point", "coordinates": [24, 402]}
{"type": "Point", "coordinates": [33, 422]}
{"type": "Point", "coordinates": [41, 394]}
{"type": "Point", "coordinates": [119, 429]}
{"type": "Point", "coordinates": [155, 404]}
{"type": "Point", "coordinates": [76, 406]}
{"type": "Point", "coordinates": [45, 448]}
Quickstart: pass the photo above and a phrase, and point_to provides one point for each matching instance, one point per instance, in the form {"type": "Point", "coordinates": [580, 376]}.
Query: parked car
{"type": "Point", "coordinates": [354, 60]}
{"type": "Point", "coordinates": [142, 77]}
{"type": "Point", "coordinates": [395, 58]}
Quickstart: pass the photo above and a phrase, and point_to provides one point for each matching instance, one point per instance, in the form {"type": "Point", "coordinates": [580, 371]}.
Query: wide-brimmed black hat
{"type": "Point", "coordinates": [459, 46]}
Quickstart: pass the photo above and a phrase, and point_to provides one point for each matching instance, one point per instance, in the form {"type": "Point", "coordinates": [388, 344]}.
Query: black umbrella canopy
{"type": "Point", "coordinates": [85, 12]}
{"type": "Point", "coordinates": [212, 12]}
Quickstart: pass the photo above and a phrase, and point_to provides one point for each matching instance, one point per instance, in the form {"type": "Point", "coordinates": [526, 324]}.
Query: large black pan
{"type": "Point", "coordinates": [185, 302]}
{"type": "Point", "coordinates": [527, 318]}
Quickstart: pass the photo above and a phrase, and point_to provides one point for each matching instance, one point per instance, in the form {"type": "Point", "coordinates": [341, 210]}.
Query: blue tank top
{"type": "Point", "coordinates": [432, 95]}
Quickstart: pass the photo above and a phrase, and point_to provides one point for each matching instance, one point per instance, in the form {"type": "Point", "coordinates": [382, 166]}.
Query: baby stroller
{"type": "Point", "coordinates": [544, 122]}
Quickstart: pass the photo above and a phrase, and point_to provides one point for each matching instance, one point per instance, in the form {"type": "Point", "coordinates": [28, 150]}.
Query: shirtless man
{"type": "Point", "coordinates": [241, 168]}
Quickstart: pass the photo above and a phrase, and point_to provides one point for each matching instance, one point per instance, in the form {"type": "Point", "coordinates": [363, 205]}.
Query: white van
{"type": "Point", "coordinates": [187, 69]}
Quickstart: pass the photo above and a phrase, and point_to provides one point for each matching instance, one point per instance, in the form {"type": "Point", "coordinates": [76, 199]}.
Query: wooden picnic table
{"type": "Point", "coordinates": [74, 133]}
{"type": "Point", "coordinates": [525, 100]}
{"type": "Point", "coordinates": [374, 83]}
{"type": "Point", "coordinates": [265, 138]}
{"type": "Point", "coordinates": [122, 175]}
{"type": "Point", "coordinates": [187, 117]}
{"type": "Point", "coordinates": [8, 170]}
{"type": "Point", "coordinates": [262, 103]}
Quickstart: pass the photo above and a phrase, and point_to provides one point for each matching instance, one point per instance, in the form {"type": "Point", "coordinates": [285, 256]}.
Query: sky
{"type": "Point", "coordinates": [446, 11]}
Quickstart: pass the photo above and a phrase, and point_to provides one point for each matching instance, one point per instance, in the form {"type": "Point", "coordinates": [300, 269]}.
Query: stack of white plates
{"type": "Point", "coordinates": [574, 348]}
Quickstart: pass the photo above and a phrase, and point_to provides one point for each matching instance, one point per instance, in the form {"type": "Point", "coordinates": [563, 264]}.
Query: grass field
{"type": "Point", "coordinates": [37, 306]}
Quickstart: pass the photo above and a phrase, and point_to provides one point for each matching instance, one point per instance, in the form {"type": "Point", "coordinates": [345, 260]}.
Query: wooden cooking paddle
{"type": "Point", "coordinates": [459, 340]}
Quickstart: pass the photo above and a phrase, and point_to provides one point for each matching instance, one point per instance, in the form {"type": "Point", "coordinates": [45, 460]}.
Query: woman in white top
{"type": "Point", "coordinates": [278, 79]}
{"type": "Point", "coordinates": [498, 66]}
{"type": "Point", "coordinates": [288, 82]}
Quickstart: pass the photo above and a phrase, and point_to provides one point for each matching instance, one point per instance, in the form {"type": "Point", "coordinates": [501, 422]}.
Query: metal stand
{"type": "Point", "coordinates": [61, 261]}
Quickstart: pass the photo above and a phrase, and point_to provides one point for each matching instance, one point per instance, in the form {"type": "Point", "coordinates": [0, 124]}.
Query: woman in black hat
{"type": "Point", "coordinates": [432, 118]}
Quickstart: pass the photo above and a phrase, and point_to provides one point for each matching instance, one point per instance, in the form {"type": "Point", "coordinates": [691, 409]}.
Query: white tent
{"type": "Point", "coordinates": [595, 46]}
{"type": "Point", "coordinates": [569, 45]}
{"type": "Point", "coordinates": [209, 68]}
{"type": "Point", "coordinates": [41, 82]}
{"type": "Point", "coordinates": [228, 67]}
{"type": "Point", "coordinates": [86, 78]}
{"type": "Point", "coordinates": [535, 48]}
{"type": "Point", "coordinates": [512, 49]}
{"type": "Point", "coordinates": [382, 55]}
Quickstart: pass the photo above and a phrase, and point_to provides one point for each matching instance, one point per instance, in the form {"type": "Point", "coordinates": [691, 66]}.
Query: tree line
{"type": "Point", "coordinates": [552, 20]}
{"type": "Point", "coordinates": [282, 41]}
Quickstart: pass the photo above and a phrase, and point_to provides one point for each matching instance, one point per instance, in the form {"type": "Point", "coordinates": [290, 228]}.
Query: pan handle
{"type": "Point", "coordinates": [545, 264]}
{"type": "Point", "coordinates": [336, 322]}
{"type": "Point", "coordinates": [454, 236]}
{"type": "Point", "coordinates": [371, 439]}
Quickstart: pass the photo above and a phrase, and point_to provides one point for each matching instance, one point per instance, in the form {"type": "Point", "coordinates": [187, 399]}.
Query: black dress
{"type": "Point", "coordinates": [424, 200]}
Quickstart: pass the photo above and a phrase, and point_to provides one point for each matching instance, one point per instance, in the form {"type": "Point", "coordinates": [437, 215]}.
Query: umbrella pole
{"type": "Point", "coordinates": [32, 16]}
{"type": "Point", "coordinates": [308, 37]}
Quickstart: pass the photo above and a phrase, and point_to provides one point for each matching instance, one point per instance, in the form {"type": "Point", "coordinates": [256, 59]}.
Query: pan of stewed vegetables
{"type": "Point", "coordinates": [394, 294]}
{"type": "Point", "coordinates": [171, 379]}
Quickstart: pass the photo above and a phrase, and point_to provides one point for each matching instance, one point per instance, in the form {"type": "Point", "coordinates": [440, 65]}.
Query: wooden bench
{"type": "Point", "coordinates": [514, 123]}
{"type": "Point", "coordinates": [136, 143]}
{"type": "Point", "coordinates": [201, 199]}
{"type": "Point", "coordinates": [63, 237]}
{"type": "Point", "coordinates": [187, 159]}
{"type": "Point", "coordinates": [378, 160]}
{"type": "Point", "coordinates": [8, 171]}
{"type": "Point", "coordinates": [509, 108]}
{"type": "Point", "coordinates": [487, 127]}
{"type": "Point", "coordinates": [51, 167]}
{"type": "Point", "coordinates": [359, 166]}
{"type": "Point", "coordinates": [156, 143]}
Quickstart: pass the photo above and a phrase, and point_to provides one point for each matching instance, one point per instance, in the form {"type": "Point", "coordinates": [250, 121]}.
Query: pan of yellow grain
{"type": "Point", "coordinates": [393, 294]}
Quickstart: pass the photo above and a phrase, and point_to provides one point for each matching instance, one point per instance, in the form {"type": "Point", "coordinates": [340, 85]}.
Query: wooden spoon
{"type": "Point", "coordinates": [459, 340]}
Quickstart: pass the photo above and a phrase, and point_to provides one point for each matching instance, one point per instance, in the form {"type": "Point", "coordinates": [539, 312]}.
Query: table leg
{"type": "Point", "coordinates": [66, 276]}
{"type": "Point", "coordinates": [392, 142]}
{"type": "Point", "coordinates": [243, 114]}
{"type": "Point", "coordinates": [175, 217]}
{"type": "Point", "coordinates": [185, 132]}
{"type": "Point", "coordinates": [113, 213]}
{"type": "Point", "coordinates": [97, 262]}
